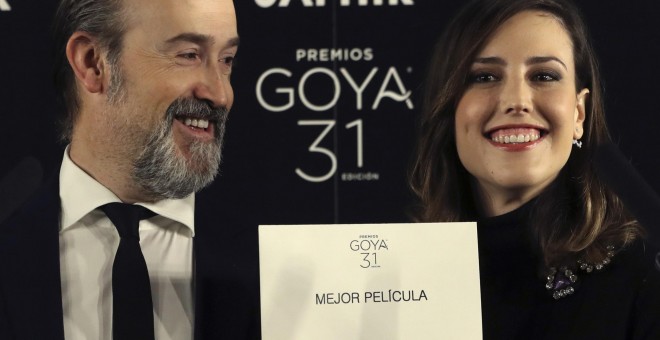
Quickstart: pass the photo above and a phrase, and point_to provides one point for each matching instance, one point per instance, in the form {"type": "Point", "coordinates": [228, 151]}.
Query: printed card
{"type": "Point", "coordinates": [370, 281]}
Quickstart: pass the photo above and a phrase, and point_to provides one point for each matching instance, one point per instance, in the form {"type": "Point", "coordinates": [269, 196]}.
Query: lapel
{"type": "Point", "coordinates": [30, 262]}
{"type": "Point", "coordinates": [226, 271]}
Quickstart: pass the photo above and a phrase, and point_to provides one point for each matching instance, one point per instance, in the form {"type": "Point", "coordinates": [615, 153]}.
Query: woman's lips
{"type": "Point", "coordinates": [515, 138]}
{"type": "Point", "coordinates": [515, 135]}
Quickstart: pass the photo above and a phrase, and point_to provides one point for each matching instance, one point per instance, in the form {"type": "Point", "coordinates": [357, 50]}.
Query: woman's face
{"type": "Point", "coordinates": [521, 111]}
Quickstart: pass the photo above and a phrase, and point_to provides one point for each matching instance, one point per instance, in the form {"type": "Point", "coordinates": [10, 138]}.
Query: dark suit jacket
{"type": "Point", "coordinates": [226, 271]}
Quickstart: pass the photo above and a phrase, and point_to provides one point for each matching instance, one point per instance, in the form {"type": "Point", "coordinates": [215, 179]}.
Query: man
{"type": "Point", "coordinates": [147, 88]}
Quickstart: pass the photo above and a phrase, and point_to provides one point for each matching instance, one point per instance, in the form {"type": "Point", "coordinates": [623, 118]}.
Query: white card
{"type": "Point", "coordinates": [370, 281]}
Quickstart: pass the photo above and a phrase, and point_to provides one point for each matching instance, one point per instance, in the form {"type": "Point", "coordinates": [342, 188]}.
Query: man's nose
{"type": "Point", "coordinates": [214, 87]}
{"type": "Point", "coordinates": [516, 96]}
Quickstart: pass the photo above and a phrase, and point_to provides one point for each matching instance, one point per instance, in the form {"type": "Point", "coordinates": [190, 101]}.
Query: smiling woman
{"type": "Point", "coordinates": [520, 111]}
{"type": "Point", "coordinates": [513, 115]}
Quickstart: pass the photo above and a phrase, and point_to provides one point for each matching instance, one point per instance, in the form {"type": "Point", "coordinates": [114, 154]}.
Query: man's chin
{"type": "Point", "coordinates": [176, 171]}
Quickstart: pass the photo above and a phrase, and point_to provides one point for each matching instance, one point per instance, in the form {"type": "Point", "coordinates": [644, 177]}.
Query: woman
{"type": "Point", "coordinates": [513, 113]}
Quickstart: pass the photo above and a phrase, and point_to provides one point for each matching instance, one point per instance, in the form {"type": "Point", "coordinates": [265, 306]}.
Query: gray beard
{"type": "Point", "coordinates": [160, 170]}
{"type": "Point", "coordinates": [163, 172]}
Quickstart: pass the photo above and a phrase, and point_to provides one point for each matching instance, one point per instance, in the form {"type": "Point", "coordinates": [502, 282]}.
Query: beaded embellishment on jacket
{"type": "Point", "coordinates": [563, 282]}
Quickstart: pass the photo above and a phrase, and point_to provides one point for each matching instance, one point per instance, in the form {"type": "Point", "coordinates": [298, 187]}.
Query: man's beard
{"type": "Point", "coordinates": [162, 171]}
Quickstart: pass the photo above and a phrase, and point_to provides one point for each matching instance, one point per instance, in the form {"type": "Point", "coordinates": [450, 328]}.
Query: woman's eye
{"type": "Point", "coordinates": [483, 78]}
{"type": "Point", "coordinates": [546, 76]}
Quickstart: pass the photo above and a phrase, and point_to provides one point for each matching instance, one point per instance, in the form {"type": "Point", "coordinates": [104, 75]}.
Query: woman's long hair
{"type": "Point", "coordinates": [574, 217]}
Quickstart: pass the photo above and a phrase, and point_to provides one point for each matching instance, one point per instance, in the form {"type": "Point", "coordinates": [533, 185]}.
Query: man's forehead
{"type": "Point", "coordinates": [169, 18]}
{"type": "Point", "coordinates": [157, 6]}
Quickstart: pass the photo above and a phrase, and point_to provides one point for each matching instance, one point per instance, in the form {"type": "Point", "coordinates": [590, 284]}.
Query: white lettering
{"type": "Point", "coordinates": [334, 54]}
{"type": "Point", "coordinates": [287, 90]}
{"type": "Point", "coordinates": [383, 92]}
{"type": "Point", "coordinates": [378, 2]}
{"type": "Point", "coordinates": [358, 89]}
{"type": "Point", "coordinates": [274, 104]}
{"type": "Point", "coordinates": [322, 3]}
{"type": "Point", "coordinates": [265, 3]}
{"type": "Point", "coordinates": [4, 6]}
{"type": "Point", "coordinates": [368, 54]}
{"type": "Point", "coordinates": [351, 176]}
{"type": "Point", "coordinates": [300, 53]}
{"type": "Point", "coordinates": [329, 124]}
{"type": "Point", "coordinates": [335, 81]}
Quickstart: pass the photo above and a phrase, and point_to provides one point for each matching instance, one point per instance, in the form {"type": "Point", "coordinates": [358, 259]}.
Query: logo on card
{"type": "Point", "coordinates": [4, 6]}
{"type": "Point", "coordinates": [370, 248]}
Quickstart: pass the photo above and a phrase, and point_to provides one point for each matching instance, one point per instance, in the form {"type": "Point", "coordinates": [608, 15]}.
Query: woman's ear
{"type": "Point", "coordinates": [580, 113]}
{"type": "Point", "coordinates": [86, 60]}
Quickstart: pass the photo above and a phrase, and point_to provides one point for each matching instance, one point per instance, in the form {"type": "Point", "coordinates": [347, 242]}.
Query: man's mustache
{"type": "Point", "coordinates": [196, 108]}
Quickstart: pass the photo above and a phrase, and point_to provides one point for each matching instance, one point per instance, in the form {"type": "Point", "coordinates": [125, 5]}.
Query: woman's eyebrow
{"type": "Point", "coordinates": [529, 61]}
{"type": "Point", "coordinates": [490, 60]}
{"type": "Point", "coordinates": [544, 59]}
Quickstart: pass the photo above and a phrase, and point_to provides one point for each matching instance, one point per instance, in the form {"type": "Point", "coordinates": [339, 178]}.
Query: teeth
{"type": "Point", "coordinates": [198, 123]}
{"type": "Point", "coordinates": [515, 138]}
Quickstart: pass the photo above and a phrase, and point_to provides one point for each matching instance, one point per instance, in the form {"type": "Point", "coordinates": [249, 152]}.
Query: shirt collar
{"type": "Point", "coordinates": [81, 194]}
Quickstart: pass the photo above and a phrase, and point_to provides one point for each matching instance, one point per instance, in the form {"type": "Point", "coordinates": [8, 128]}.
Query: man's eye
{"type": "Point", "coordinates": [229, 61]}
{"type": "Point", "coordinates": [189, 55]}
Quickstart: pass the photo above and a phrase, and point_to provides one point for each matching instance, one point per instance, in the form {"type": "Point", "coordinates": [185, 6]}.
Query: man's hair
{"type": "Point", "coordinates": [104, 20]}
{"type": "Point", "coordinates": [577, 215]}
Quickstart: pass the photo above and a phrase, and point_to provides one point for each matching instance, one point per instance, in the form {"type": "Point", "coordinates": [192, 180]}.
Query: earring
{"type": "Point", "coordinates": [577, 143]}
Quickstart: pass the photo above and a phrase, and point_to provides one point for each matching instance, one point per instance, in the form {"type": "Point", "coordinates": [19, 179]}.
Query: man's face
{"type": "Point", "coordinates": [169, 95]}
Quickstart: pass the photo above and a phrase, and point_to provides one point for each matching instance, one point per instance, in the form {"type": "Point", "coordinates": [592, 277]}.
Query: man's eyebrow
{"type": "Point", "coordinates": [233, 42]}
{"type": "Point", "coordinates": [200, 39]}
{"type": "Point", "coordinates": [541, 60]}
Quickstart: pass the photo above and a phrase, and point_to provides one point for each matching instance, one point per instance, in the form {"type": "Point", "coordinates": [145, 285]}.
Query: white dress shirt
{"type": "Point", "coordinates": [88, 243]}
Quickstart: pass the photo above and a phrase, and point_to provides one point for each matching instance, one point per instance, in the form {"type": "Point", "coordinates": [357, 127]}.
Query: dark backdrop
{"type": "Point", "coordinates": [357, 171]}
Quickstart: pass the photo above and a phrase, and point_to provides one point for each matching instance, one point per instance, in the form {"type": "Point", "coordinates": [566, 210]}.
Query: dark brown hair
{"type": "Point", "coordinates": [574, 217]}
{"type": "Point", "coordinates": [101, 18]}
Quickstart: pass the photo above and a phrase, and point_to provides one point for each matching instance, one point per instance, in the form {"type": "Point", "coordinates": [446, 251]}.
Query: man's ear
{"type": "Point", "coordinates": [580, 113]}
{"type": "Point", "coordinates": [86, 60]}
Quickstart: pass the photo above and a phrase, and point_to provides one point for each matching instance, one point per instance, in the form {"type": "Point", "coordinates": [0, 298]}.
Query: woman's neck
{"type": "Point", "coordinates": [499, 202]}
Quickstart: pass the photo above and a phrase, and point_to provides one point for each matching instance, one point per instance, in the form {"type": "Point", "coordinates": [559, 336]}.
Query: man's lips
{"type": "Point", "coordinates": [515, 135]}
{"type": "Point", "coordinates": [195, 122]}
{"type": "Point", "coordinates": [197, 127]}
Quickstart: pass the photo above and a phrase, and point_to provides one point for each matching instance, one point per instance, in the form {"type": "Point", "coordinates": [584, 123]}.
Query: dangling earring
{"type": "Point", "coordinates": [576, 141]}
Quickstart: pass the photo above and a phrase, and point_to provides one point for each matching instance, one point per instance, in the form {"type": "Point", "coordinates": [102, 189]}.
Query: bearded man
{"type": "Point", "coordinates": [118, 245]}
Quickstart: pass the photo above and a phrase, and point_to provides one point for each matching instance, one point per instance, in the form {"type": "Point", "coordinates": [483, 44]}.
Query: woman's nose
{"type": "Point", "coordinates": [516, 97]}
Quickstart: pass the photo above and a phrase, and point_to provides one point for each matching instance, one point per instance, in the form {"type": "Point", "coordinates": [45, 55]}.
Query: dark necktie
{"type": "Point", "coordinates": [132, 308]}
